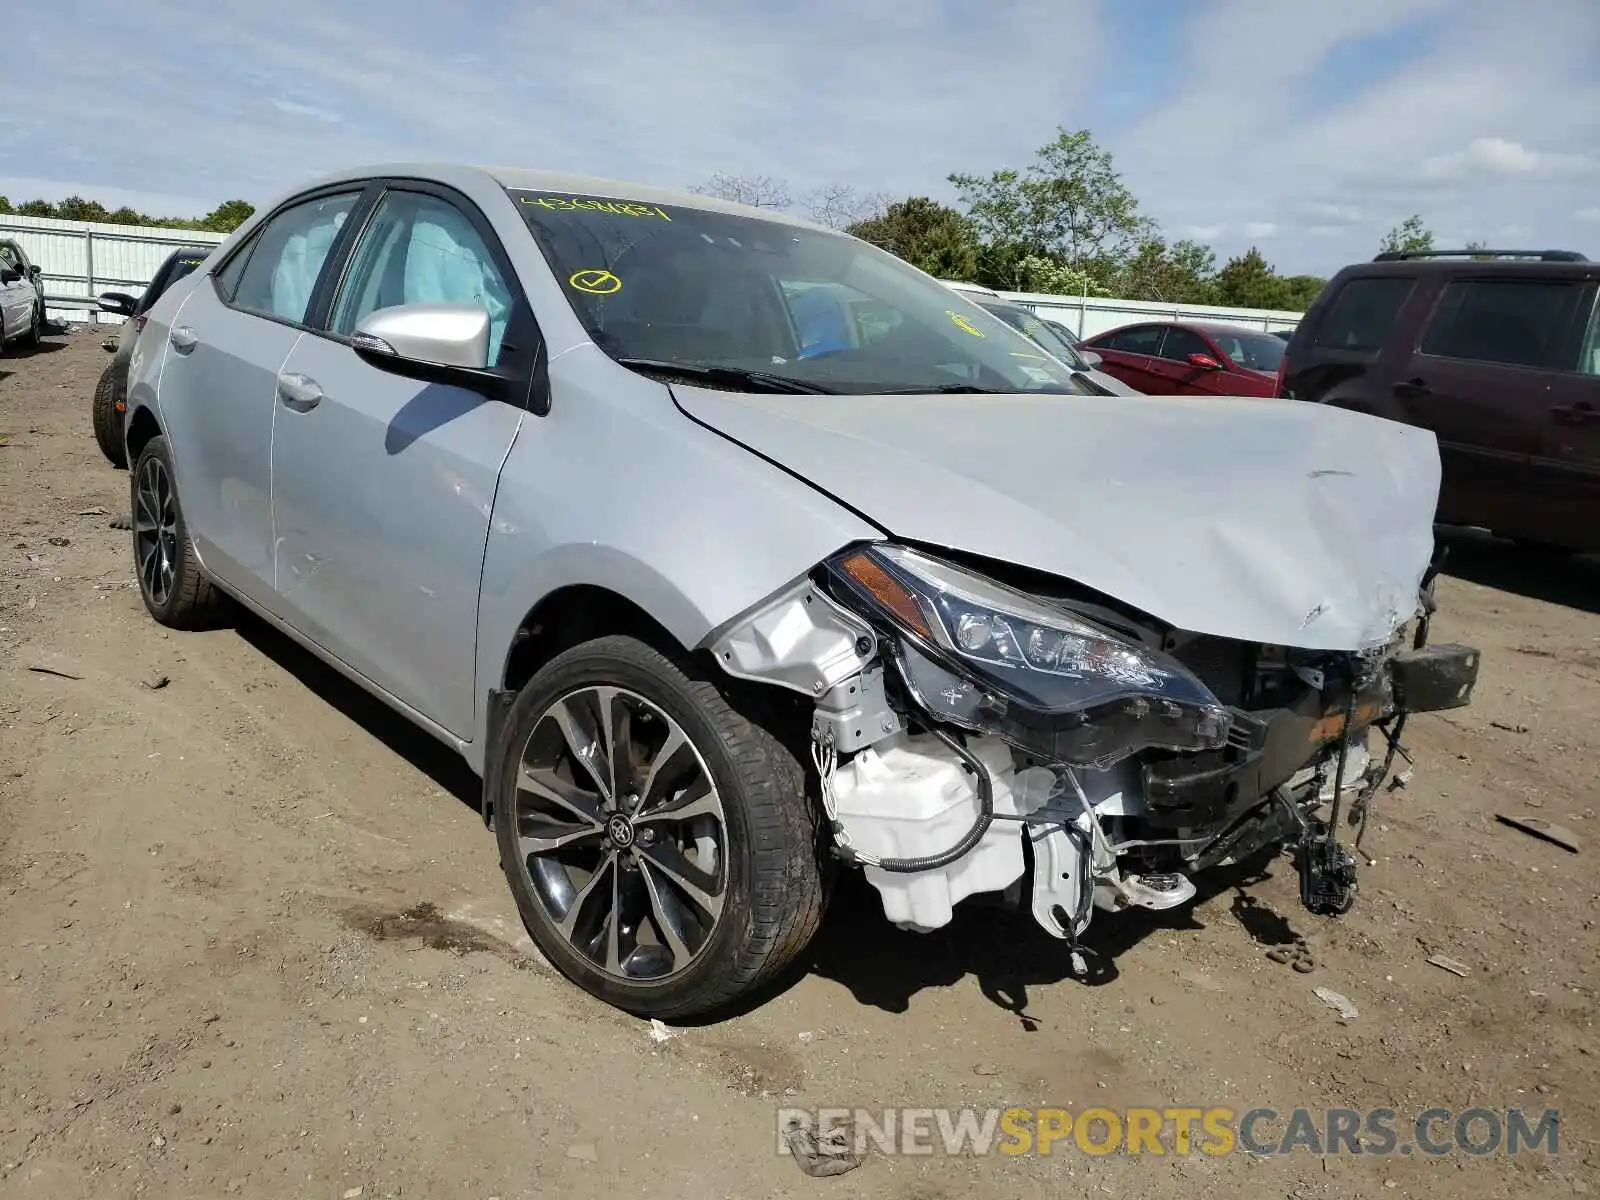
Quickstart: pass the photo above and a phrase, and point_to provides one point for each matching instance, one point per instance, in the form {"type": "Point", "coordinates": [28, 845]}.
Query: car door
{"type": "Point", "coordinates": [1481, 379]}
{"type": "Point", "coordinates": [1571, 458]}
{"type": "Point", "coordinates": [16, 295]}
{"type": "Point", "coordinates": [1126, 353]}
{"type": "Point", "coordinates": [219, 381]}
{"type": "Point", "coordinates": [1176, 375]}
{"type": "Point", "coordinates": [383, 486]}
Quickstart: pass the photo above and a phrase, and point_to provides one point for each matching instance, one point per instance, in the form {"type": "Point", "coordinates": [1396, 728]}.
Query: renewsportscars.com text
{"type": "Point", "coordinates": [1182, 1131]}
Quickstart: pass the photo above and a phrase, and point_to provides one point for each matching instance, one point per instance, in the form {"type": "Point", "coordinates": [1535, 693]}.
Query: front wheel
{"type": "Point", "coordinates": [660, 844]}
{"type": "Point", "coordinates": [35, 333]}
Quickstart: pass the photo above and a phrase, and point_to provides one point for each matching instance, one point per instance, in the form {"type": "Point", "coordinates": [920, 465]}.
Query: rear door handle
{"type": "Point", "coordinates": [1576, 414]}
{"type": "Point", "coordinates": [299, 392]}
{"type": "Point", "coordinates": [183, 339]}
{"type": "Point", "coordinates": [1413, 387]}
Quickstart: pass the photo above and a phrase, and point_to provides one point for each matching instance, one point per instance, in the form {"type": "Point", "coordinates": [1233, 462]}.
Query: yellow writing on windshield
{"type": "Point", "coordinates": [619, 208]}
{"type": "Point", "coordinates": [962, 323]}
{"type": "Point", "coordinates": [595, 281]}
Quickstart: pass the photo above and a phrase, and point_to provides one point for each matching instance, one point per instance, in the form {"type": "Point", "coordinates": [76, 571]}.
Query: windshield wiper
{"type": "Point", "coordinates": [757, 380]}
{"type": "Point", "coordinates": [945, 389]}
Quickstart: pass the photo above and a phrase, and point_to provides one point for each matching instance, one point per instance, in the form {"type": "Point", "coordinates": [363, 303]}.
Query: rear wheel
{"type": "Point", "coordinates": [106, 416]}
{"type": "Point", "coordinates": [35, 332]}
{"type": "Point", "coordinates": [175, 590]}
{"type": "Point", "coordinates": [659, 843]}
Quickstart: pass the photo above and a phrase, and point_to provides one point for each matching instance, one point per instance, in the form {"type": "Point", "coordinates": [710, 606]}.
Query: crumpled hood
{"type": "Point", "coordinates": [1271, 521]}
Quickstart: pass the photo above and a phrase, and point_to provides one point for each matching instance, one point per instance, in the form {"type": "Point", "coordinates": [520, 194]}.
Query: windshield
{"type": "Point", "coordinates": [1257, 351]}
{"type": "Point", "coordinates": [1040, 331]}
{"type": "Point", "coordinates": [659, 286]}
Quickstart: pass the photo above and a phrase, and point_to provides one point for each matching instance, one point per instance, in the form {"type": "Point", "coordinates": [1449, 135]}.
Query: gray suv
{"type": "Point", "coordinates": [731, 551]}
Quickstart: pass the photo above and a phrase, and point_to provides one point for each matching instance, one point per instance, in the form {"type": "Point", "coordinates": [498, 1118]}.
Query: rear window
{"type": "Point", "coordinates": [1362, 314]}
{"type": "Point", "coordinates": [1517, 322]}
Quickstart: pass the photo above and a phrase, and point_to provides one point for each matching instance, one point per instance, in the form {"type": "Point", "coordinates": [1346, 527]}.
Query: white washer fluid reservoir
{"type": "Point", "coordinates": [912, 797]}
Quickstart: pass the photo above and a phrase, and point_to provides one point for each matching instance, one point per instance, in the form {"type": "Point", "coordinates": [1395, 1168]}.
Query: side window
{"type": "Point", "coordinates": [1589, 348]}
{"type": "Point", "coordinates": [420, 249]}
{"type": "Point", "coordinates": [1144, 340]}
{"type": "Point", "coordinates": [8, 256]}
{"type": "Point", "coordinates": [1181, 343]}
{"type": "Point", "coordinates": [1511, 321]}
{"type": "Point", "coordinates": [1362, 314]}
{"type": "Point", "coordinates": [227, 279]}
{"type": "Point", "coordinates": [283, 265]}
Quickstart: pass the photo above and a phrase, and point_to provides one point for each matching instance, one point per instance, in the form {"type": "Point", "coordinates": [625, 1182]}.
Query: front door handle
{"type": "Point", "coordinates": [1575, 414]}
{"type": "Point", "coordinates": [1413, 388]}
{"type": "Point", "coordinates": [299, 392]}
{"type": "Point", "coordinates": [183, 339]}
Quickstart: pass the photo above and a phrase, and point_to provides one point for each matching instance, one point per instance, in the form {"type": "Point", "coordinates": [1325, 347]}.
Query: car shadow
{"type": "Point", "coordinates": [1572, 581]}
{"type": "Point", "coordinates": [16, 350]}
{"type": "Point", "coordinates": [1002, 948]}
{"type": "Point", "coordinates": [432, 757]}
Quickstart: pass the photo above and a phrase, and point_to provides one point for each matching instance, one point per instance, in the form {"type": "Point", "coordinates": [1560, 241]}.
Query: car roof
{"type": "Point", "coordinates": [1218, 327]}
{"type": "Point", "coordinates": [527, 179]}
{"type": "Point", "coordinates": [1411, 268]}
{"type": "Point", "coordinates": [190, 251]}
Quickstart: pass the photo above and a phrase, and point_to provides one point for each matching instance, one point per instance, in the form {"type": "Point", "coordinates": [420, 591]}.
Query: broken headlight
{"type": "Point", "coordinates": [983, 656]}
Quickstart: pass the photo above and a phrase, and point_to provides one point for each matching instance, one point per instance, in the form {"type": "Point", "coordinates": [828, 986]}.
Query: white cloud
{"type": "Point", "coordinates": [1498, 156]}
{"type": "Point", "coordinates": [1204, 233]}
{"type": "Point", "coordinates": [1590, 215]}
{"type": "Point", "coordinates": [1513, 231]}
{"type": "Point", "coordinates": [1261, 229]}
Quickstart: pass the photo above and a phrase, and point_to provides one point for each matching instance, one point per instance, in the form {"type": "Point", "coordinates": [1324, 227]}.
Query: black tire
{"type": "Point", "coordinates": [107, 417]}
{"type": "Point", "coordinates": [35, 333]}
{"type": "Point", "coordinates": [774, 880]}
{"type": "Point", "coordinates": [189, 600]}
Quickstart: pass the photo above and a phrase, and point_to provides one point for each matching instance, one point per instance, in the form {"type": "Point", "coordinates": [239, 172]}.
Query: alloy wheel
{"type": "Point", "coordinates": [621, 833]}
{"type": "Point", "coordinates": [155, 530]}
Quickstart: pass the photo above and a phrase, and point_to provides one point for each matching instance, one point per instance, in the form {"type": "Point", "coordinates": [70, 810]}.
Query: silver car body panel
{"type": "Point", "coordinates": [1262, 520]}
{"type": "Point", "coordinates": [405, 531]}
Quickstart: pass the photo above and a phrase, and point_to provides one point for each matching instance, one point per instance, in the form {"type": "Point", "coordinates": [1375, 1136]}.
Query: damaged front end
{"type": "Point", "coordinates": [977, 737]}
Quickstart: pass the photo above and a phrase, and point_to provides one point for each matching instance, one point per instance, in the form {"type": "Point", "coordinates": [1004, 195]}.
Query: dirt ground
{"type": "Point", "coordinates": [254, 940]}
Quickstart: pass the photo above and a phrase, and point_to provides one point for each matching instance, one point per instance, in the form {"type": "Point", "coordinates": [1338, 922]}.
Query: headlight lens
{"type": "Point", "coordinates": [984, 656]}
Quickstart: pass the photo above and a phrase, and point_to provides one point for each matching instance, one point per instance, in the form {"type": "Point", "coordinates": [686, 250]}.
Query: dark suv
{"type": "Point", "coordinates": [1498, 353]}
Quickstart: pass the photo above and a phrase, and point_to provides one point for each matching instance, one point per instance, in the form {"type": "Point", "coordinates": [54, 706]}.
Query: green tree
{"type": "Point", "coordinates": [36, 208]}
{"type": "Point", "coordinates": [1249, 281]}
{"type": "Point", "coordinates": [228, 216]}
{"type": "Point", "coordinates": [927, 234]}
{"type": "Point", "coordinates": [5, 204]}
{"type": "Point", "coordinates": [1411, 236]}
{"type": "Point", "coordinates": [1182, 273]}
{"type": "Point", "coordinates": [76, 208]}
{"type": "Point", "coordinates": [1070, 205]}
{"type": "Point", "coordinates": [1303, 290]}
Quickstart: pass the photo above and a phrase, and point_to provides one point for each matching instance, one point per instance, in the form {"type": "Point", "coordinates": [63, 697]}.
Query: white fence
{"type": "Point", "coordinates": [81, 259]}
{"type": "Point", "coordinates": [1095, 314]}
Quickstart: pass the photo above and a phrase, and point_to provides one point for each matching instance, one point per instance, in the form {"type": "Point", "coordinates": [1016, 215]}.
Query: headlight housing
{"type": "Point", "coordinates": [987, 657]}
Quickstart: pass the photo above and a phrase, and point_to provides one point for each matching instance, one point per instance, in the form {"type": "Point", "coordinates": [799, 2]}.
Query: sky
{"type": "Point", "coordinates": [1304, 127]}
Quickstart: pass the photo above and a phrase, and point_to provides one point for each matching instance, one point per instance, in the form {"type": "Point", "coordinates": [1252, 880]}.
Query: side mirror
{"type": "Point", "coordinates": [1090, 357]}
{"type": "Point", "coordinates": [119, 303]}
{"type": "Point", "coordinates": [1205, 362]}
{"type": "Point", "coordinates": [436, 343]}
{"type": "Point", "coordinates": [10, 275]}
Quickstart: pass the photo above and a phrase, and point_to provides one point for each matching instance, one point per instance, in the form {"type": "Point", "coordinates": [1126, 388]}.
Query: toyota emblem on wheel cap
{"type": "Point", "coordinates": [620, 830]}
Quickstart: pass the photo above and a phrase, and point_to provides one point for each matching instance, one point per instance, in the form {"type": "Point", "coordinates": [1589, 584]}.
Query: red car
{"type": "Point", "coordinates": [1191, 358]}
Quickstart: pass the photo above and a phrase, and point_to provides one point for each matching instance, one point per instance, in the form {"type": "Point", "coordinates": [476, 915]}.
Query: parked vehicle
{"type": "Point", "coordinates": [552, 467]}
{"type": "Point", "coordinates": [21, 296]}
{"type": "Point", "coordinates": [111, 392]}
{"type": "Point", "coordinates": [1498, 354]}
{"type": "Point", "coordinates": [1191, 358]}
{"type": "Point", "coordinates": [1052, 340]}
